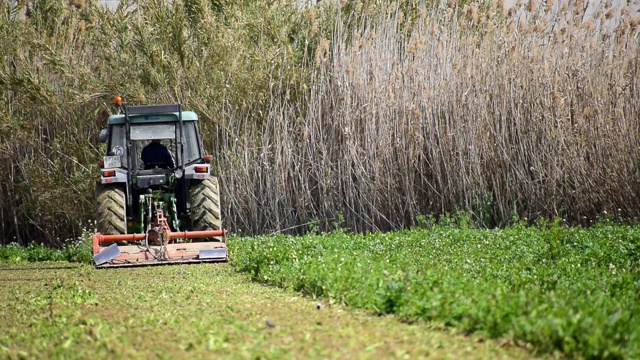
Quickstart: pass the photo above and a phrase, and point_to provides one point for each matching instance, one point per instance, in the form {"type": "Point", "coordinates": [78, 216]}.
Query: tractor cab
{"type": "Point", "coordinates": [126, 142]}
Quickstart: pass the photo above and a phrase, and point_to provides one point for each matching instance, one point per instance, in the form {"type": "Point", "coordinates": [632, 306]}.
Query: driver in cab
{"type": "Point", "coordinates": [157, 155]}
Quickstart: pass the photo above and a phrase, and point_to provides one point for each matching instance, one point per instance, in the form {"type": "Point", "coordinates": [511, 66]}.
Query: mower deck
{"type": "Point", "coordinates": [138, 254]}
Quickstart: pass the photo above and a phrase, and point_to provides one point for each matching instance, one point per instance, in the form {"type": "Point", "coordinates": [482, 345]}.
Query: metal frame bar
{"type": "Point", "coordinates": [153, 109]}
{"type": "Point", "coordinates": [130, 164]}
{"type": "Point", "coordinates": [98, 238]}
{"type": "Point", "coordinates": [181, 143]}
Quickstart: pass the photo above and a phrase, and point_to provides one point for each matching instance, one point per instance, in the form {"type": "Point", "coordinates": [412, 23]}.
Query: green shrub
{"type": "Point", "coordinates": [74, 250]}
{"type": "Point", "coordinates": [572, 290]}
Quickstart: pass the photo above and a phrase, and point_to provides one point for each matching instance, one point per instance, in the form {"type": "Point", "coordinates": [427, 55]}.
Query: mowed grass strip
{"type": "Point", "coordinates": [67, 310]}
{"type": "Point", "coordinates": [569, 290]}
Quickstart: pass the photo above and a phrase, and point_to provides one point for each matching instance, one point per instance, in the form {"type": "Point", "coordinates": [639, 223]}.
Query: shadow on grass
{"type": "Point", "coordinates": [22, 267]}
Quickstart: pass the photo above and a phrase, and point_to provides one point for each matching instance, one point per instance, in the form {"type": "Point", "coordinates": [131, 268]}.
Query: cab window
{"type": "Point", "coordinates": [116, 145]}
{"type": "Point", "coordinates": [192, 141]}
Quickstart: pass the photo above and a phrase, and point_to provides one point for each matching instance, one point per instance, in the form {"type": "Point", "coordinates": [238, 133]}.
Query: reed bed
{"type": "Point", "coordinates": [519, 113]}
{"type": "Point", "coordinates": [366, 115]}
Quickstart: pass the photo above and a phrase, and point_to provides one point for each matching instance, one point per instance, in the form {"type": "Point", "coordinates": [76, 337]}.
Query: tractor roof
{"type": "Point", "coordinates": [153, 118]}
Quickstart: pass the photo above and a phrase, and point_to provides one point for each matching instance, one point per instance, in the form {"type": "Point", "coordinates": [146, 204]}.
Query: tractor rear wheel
{"type": "Point", "coordinates": [205, 205]}
{"type": "Point", "coordinates": [111, 213]}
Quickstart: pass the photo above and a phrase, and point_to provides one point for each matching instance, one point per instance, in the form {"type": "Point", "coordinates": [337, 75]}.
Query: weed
{"type": "Point", "coordinates": [548, 285]}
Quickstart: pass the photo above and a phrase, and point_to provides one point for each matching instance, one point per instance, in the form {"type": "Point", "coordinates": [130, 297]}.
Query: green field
{"type": "Point", "coordinates": [365, 114]}
{"type": "Point", "coordinates": [444, 290]}
{"type": "Point", "coordinates": [73, 311]}
{"type": "Point", "coordinates": [569, 290]}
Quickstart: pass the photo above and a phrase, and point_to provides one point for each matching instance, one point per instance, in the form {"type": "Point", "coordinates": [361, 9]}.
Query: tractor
{"type": "Point", "coordinates": [156, 200]}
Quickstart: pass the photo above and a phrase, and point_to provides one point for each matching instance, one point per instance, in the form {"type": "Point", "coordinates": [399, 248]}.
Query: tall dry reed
{"type": "Point", "coordinates": [362, 115]}
{"type": "Point", "coordinates": [66, 61]}
{"type": "Point", "coordinates": [502, 113]}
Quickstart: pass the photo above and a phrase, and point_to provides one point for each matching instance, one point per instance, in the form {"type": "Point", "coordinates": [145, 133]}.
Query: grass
{"type": "Point", "coordinates": [550, 288]}
{"type": "Point", "coordinates": [74, 311]}
{"type": "Point", "coordinates": [34, 252]}
{"type": "Point", "coordinates": [378, 112]}
{"type": "Point", "coordinates": [560, 289]}
{"type": "Point", "coordinates": [78, 250]}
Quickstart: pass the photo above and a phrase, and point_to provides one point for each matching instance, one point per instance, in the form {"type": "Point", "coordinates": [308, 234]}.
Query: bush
{"type": "Point", "coordinates": [78, 250]}
{"type": "Point", "coordinates": [558, 288]}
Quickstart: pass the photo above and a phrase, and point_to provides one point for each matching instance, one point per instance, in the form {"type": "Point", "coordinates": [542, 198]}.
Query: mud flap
{"type": "Point", "coordinates": [219, 254]}
{"type": "Point", "coordinates": [107, 254]}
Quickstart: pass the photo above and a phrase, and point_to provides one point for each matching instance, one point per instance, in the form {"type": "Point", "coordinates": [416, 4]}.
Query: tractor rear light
{"type": "Point", "coordinates": [208, 158]}
{"type": "Point", "coordinates": [109, 173]}
{"type": "Point", "coordinates": [201, 169]}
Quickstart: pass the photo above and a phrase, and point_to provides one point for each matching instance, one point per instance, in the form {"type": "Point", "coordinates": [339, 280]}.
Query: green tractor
{"type": "Point", "coordinates": [156, 201]}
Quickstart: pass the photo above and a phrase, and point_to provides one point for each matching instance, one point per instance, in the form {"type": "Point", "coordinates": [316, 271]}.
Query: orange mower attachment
{"type": "Point", "coordinates": [143, 253]}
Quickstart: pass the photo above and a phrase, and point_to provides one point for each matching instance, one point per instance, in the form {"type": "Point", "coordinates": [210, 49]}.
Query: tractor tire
{"type": "Point", "coordinates": [205, 205]}
{"type": "Point", "coordinates": [111, 212]}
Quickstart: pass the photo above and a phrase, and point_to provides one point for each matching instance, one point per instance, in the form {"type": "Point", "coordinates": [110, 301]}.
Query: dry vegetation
{"type": "Point", "coordinates": [412, 112]}
{"type": "Point", "coordinates": [370, 115]}
{"type": "Point", "coordinates": [65, 62]}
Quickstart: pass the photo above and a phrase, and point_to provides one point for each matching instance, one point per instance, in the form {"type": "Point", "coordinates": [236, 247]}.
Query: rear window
{"type": "Point", "coordinates": [117, 145]}
{"type": "Point", "coordinates": [153, 131]}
